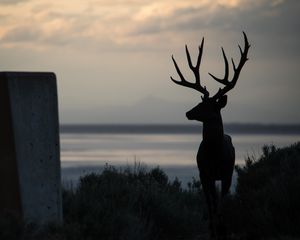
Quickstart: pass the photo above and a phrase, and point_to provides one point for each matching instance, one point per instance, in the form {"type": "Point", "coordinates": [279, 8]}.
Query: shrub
{"type": "Point", "coordinates": [267, 200]}
{"type": "Point", "coordinates": [131, 204]}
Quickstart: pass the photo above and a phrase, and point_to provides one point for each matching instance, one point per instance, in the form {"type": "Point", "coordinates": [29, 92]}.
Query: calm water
{"type": "Point", "coordinates": [175, 153]}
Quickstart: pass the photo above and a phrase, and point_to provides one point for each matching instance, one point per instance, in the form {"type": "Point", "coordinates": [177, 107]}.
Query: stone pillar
{"type": "Point", "coordinates": [30, 180]}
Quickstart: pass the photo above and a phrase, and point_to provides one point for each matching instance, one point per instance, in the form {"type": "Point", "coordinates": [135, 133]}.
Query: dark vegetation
{"type": "Point", "coordinates": [132, 203]}
{"type": "Point", "coordinates": [144, 204]}
{"type": "Point", "coordinates": [267, 200]}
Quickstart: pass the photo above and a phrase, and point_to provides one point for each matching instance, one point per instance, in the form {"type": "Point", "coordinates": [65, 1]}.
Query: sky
{"type": "Point", "coordinates": [112, 58]}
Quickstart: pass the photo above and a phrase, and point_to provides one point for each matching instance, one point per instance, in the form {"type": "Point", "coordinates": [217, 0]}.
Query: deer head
{"type": "Point", "coordinates": [209, 108]}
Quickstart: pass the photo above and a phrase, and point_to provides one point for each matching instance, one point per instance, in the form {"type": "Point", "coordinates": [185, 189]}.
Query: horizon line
{"type": "Point", "coordinates": [178, 124]}
{"type": "Point", "coordinates": [236, 128]}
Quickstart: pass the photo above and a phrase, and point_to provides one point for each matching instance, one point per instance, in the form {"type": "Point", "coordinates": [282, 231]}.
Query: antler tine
{"type": "Point", "coordinates": [225, 79]}
{"type": "Point", "coordinates": [182, 81]}
{"type": "Point", "coordinates": [196, 70]}
{"type": "Point", "coordinates": [237, 70]}
{"type": "Point", "coordinates": [178, 71]}
{"type": "Point", "coordinates": [200, 54]}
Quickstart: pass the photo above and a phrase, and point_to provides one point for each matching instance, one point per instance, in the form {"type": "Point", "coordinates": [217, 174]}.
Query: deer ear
{"type": "Point", "coordinates": [222, 101]}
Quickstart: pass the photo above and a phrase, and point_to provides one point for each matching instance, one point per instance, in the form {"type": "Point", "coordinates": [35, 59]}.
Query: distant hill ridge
{"type": "Point", "coordinates": [178, 128]}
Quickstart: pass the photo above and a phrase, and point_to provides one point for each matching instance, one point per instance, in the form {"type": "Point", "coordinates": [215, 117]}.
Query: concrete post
{"type": "Point", "coordinates": [30, 180]}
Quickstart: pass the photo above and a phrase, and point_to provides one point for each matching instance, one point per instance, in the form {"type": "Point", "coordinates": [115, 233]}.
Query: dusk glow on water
{"type": "Point", "coordinates": [175, 153]}
{"type": "Point", "coordinates": [158, 149]}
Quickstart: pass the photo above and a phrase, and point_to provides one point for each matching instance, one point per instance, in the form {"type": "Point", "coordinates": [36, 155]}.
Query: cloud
{"type": "Point", "coordinates": [113, 52]}
{"type": "Point", "coordinates": [132, 23]}
{"type": "Point", "coordinates": [279, 17]}
{"type": "Point", "coordinates": [11, 2]}
{"type": "Point", "coordinates": [271, 25]}
{"type": "Point", "coordinates": [57, 24]}
{"type": "Point", "coordinates": [21, 34]}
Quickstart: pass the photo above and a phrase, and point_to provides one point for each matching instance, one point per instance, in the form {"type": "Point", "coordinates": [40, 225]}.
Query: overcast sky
{"type": "Point", "coordinates": [113, 62]}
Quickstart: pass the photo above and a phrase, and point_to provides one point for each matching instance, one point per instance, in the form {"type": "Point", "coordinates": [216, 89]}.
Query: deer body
{"type": "Point", "coordinates": [217, 162]}
{"type": "Point", "coordinates": [216, 154]}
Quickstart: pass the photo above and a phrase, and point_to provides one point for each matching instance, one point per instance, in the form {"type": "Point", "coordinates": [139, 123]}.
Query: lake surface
{"type": "Point", "coordinates": [89, 151]}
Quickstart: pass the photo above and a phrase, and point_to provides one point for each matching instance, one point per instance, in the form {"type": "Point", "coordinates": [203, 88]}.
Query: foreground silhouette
{"type": "Point", "coordinates": [216, 154]}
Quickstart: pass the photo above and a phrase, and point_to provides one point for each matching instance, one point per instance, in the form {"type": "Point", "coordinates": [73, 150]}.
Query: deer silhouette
{"type": "Point", "coordinates": [216, 154]}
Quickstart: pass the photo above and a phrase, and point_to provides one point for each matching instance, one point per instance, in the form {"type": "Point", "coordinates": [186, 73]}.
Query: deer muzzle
{"type": "Point", "coordinates": [190, 116]}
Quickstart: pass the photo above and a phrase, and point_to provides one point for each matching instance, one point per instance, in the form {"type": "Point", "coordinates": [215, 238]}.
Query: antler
{"type": "Point", "coordinates": [230, 84]}
{"type": "Point", "coordinates": [196, 70]}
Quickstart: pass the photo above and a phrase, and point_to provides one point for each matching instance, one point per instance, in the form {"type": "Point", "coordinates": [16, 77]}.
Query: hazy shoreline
{"type": "Point", "coordinates": [231, 128]}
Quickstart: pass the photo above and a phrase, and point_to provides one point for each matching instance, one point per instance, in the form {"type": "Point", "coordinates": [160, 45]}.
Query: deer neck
{"type": "Point", "coordinates": [213, 131]}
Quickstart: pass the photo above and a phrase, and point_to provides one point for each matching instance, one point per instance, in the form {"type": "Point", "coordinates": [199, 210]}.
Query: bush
{"type": "Point", "coordinates": [135, 203]}
{"type": "Point", "coordinates": [119, 204]}
{"type": "Point", "coordinates": [131, 204]}
{"type": "Point", "coordinates": [267, 200]}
